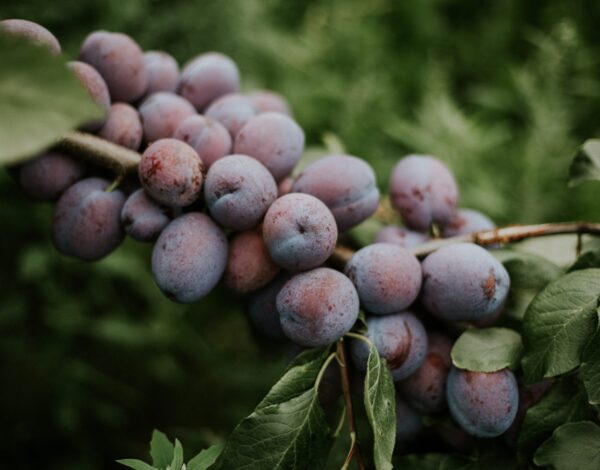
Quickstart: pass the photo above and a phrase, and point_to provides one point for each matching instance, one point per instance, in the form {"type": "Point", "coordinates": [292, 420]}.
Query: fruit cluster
{"type": "Point", "coordinates": [216, 196]}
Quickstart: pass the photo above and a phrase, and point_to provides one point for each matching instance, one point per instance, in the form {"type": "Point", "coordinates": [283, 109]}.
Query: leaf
{"type": "Point", "coordinates": [40, 100]}
{"type": "Point", "coordinates": [205, 458]}
{"type": "Point", "coordinates": [565, 401]}
{"type": "Point", "coordinates": [573, 445]}
{"type": "Point", "coordinates": [589, 258]}
{"type": "Point", "coordinates": [590, 369]}
{"type": "Point", "coordinates": [487, 349]}
{"type": "Point", "coordinates": [430, 461]}
{"type": "Point", "coordinates": [287, 430]}
{"type": "Point", "coordinates": [136, 464]}
{"type": "Point", "coordinates": [161, 449]}
{"type": "Point", "coordinates": [526, 270]}
{"type": "Point", "coordinates": [559, 323]}
{"type": "Point", "coordinates": [177, 461]}
{"type": "Point", "coordinates": [586, 163]}
{"type": "Point", "coordinates": [380, 405]}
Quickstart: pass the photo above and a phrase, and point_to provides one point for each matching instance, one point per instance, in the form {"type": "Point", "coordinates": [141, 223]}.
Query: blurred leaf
{"type": "Point", "coordinates": [161, 449]}
{"type": "Point", "coordinates": [559, 323]}
{"type": "Point", "coordinates": [380, 405]}
{"type": "Point", "coordinates": [526, 270]}
{"type": "Point", "coordinates": [40, 100]}
{"type": "Point", "coordinates": [487, 349]}
{"type": "Point", "coordinates": [589, 258]}
{"type": "Point", "coordinates": [420, 461]}
{"type": "Point", "coordinates": [586, 163]}
{"type": "Point", "coordinates": [289, 422]}
{"type": "Point", "coordinates": [177, 461]}
{"type": "Point", "coordinates": [136, 464]}
{"type": "Point", "coordinates": [565, 401]}
{"type": "Point", "coordinates": [205, 458]}
{"type": "Point", "coordinates": [573, 445]}
{"type": "Point", "coordinates": [590, 369]}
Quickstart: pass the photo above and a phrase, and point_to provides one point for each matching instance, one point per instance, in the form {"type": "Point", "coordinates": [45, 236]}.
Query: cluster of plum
{"type": "Point", "coordinates": [216, 196]}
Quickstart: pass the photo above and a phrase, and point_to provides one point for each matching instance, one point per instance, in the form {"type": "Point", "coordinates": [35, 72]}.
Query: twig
{"type": "Point", "coordinates": [513, 233]}
{"type": "Point", "coordinates": [354, 451]}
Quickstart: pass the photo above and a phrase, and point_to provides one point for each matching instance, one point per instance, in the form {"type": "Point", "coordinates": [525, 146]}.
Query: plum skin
{"type": "Point", "coordinates": [346, 185]}
{"type": "Point", "coordinates": [123, 126]}
{"type": "Point", "coordinates": [401, 236]}
{"type": "Point", "coordinates": [238, 191]}
{"type": "Point", "coordinates": [387, 277]}
{"type": "Point", "coordinates": [299, 231]}
{"type": "Point", "coordinates": [424, 191]}
{"type": "Point", "coordinates": [143, 218]}
{"type": "Point", "coordinates": [463, 282]}
{"type": "Point", "coordinates": [31, 31]}
{"type": "Point", "coordinates": [161, 113]}
{"type": "Point", "coordinates": [47, 176]}
{"type": "Point", "coordinates": [262, 308]}
{"type": "Point", "coordinates": [208, 138]}
{"type": "Point", "coordinates": [162, 71]}
{"type": "Point", "coordinates": [232, 110]}
{"type": "Point", "coordinates": [483, 404]}
{"type": "Point", "coordinates": [317, 307]}
{"type": "Point", "coordinates": [189, 257]}
{"type": "Point", "coordinates": [400, 338]}
{"type": "Point", "coordinates": [467, 221]}
{"type": "Point", "coordinates": [86, 221]}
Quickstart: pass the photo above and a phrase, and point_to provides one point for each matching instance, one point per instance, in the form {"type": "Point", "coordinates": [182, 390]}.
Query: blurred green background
{"type": "Point", "coordinates": [92, 357]}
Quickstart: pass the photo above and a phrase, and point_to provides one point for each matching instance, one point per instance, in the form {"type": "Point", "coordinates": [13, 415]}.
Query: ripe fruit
{"type": "Point", "coordinates": [345, 184]}
{"type": "Point", "coordinates": [262, 308]}
{"type": "Point", "coordinates": [401, 236]}
{"type": "Point", "coordinates": [317, 307]}
{"type": "Point", "coordinates": [171, 172]}
{"type": "Point", "coordinates": [95, 86]}
{"type": "Point", "coordinates": [265, 101]}
{"type": "Point", "coordinates": [463, 282]}
{"type": "Point", "coordinates": [143, 219]}
{"type": "Point", "coordinates": [484, 404]}
{"type": "Point", "coordinates": [206, 136]}
{"type": "Point", "coordinates": [467, 221]}
{"type": "Point", "coordinates": [86, 221]}
{"type": "Point", "coordinates": [299, 231]}
{"type": "Point", "coordinates": [189, 257]}
{"type": "Point", "coordinates": [123, 126]}
{"type": "Point", "coordinates": [423, 190]}
{"type": "Point", "coordinates": [161, 114]}
{"type": "Point", "coordinates": [45, 177]}
{"type": "Point", "coordinates": [233, 111]}
{"type": "Point", "coordinates": [162, 71]}
{"type": "Point", "coordinates": [32, 32]}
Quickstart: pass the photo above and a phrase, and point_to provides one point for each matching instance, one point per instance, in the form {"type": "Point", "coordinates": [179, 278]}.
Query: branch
{"type": "Point", "coordinates": [354, 446]}
{"type": "Point", "coordinates": [99, 151]}
{"type": "Point", "coordinates": [510, 234]}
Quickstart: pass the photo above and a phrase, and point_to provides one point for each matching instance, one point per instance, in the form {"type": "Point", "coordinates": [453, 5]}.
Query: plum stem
{"type": "Point", "coordinates": [509, 234]}
{"type": "Point", "coordinates": [354, 451]}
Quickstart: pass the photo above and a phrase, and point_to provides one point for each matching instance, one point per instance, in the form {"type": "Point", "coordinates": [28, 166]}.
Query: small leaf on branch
{"type": "Point", "coordinates": [526, 270]}
{"type": "Point", "coordinates": [565, 401]}
{"type": "Point", "coordinates": [161, 449]}
{"type": "Point", "coordinates": [380, 405]}
{"type": "Point", "coordinates": [487, 350]}
{"type": "Point", "coordinates": [586, 163]}
{"type": "Point", "coordinates": [572, 446]}
{"type": "Point", "coordinates": [559, 323]}
{"type": "Point", "coordinates": [205, 458]}
{"type": "Point", "coordinates": [287, 430]}
{"type": "Point", "coordinates": [590, 369]}
{"type": "Point", "coordinates": [136, 464]}
{"type": "Point", "coordinates": [177, 461]}
{"type": "Point", "coordinates": [589, 258]}
{"type": "Point", "coordinates": [40, 100]}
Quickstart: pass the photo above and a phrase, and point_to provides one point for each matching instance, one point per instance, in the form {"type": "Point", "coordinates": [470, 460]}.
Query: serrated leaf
{"type": "Point", "coordinates": [380, 405]}
{"type": "Point", "coordinates": [558, 324]}
{"type": "Point", "coordinates": [590, 369]}
{"type": "Point", "coordinates": [562, 403]}
{"type": "Point", "coordinates": [526, 270]}
{"type": "Point", "coordinates": [40, 100]}
{"type": "Point", "coordinates": [161, 449]}
{"type": "Point", "coordinates": [572, 446]}
{"type": "Point", "coordinates": [136, 464]}
{"type": "Point", "coordinates": [487, 349]}
{"type": "Point", "coordinates": [205, 458]}
{"type": "Point", "coordinates": [586, 163]}
{"type": "Point", "coordinates": [287, 430]}
{"type": "Point", "coordinates": [177, 461]}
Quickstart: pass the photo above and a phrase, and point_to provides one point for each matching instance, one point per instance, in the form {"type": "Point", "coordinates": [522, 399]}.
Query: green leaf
{"type": "Point", "coordinates": [565, 401]}
{"type": "Point", "coordinates": [205, 458]}
{"type": "Point", "coordinates": [177, 461]}
{"type": "Point", "coordinates": [573, 445]}
{"type": "Point", "coordinates": [287, 430]}
{"type": "Point", "coordinates": [589, 258]}
{"type": "Point", "coordinates": [559, 323]}
{"type": "Point", "coordinates": [487, 349]}
{"type": "Point", "coordinates": [526, 270]}
{"type": "Point", "coordinates": [586, 163]}
{"type": "Point", "coordinates": [40, 100]}
{"type": "Point", "coordinates": [590, 369]}
{"type": "Point", "coordinates": [161, 449]}
{"type": "Point", "coordinates": [430, 461]}
{"type": "Point", "coordinates": [380, 405]}
{"type": "Point", "coordinates": [136, 464]}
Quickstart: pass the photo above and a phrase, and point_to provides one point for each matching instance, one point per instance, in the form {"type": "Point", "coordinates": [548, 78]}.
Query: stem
{"type": "Point", "coordinates": [99, 151]}
{"type": "Point", "coordinates": [512, 233]}
{"type": "Point", "coordinates": [354, 446]}
{"type": "Point", "coordinates": [330, 358]}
